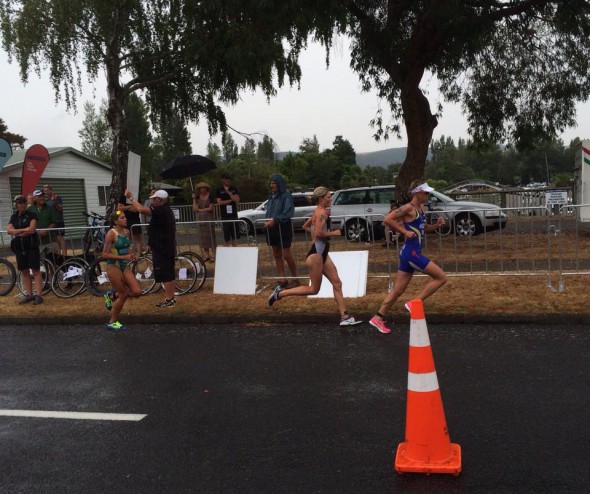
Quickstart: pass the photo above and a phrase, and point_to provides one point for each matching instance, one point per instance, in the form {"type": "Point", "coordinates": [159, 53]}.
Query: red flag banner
{"type": "Point", "coordinates": [36, 160]}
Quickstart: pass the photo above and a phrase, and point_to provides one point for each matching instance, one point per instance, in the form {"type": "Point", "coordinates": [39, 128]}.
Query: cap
{"type": "Point", "coordinates": [20, 198]}
{"type": "Point", "coordinates": [422, 188]}
{"type": "Point", "coordinates": [162, 194]}
{"type": "Point", "coordinates": [37, 193]}
{"type": "Point", "coordinates": [226, 176]}
{"type": "Point", "coordinates": [200, 185]}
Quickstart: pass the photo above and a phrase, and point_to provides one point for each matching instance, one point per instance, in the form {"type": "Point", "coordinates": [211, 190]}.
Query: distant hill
{"type": "Point", "coordinates": [382, 158]}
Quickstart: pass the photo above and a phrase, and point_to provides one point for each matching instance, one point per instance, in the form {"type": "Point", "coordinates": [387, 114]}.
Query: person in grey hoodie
{"type": "Point", "coordinates": [279, 228]}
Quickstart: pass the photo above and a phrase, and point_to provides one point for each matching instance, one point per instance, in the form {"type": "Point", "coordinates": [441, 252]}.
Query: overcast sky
{"type": "Point", "coordinates": [328, 104]}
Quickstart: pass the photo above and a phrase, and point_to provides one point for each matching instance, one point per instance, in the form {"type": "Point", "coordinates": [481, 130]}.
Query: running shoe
{"type": "Point", "coordinates": [116, 326]}
{"type": "Point", "coordinates": [408, 306]}
{"type": "Point", "coordinates": [379, 324]}
{"type": "Point", "coordinates": [108, 300]}
{"type": "Point", "coordinates": [26, 299]}
{"type": "Point", "coordinates": [274, 296]}
{"type": "Point", "coordinates": [37, 299]}
{"type": "Point", "coordinates": [167, 303]}
{"type": "Point", "coordinates": [349, 321]}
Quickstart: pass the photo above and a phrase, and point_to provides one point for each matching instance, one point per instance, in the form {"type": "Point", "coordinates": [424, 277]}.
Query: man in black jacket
{"type": "Point", "coordinates": [162, 241]}
{"type": "Point", "coordinates": [25, 245]}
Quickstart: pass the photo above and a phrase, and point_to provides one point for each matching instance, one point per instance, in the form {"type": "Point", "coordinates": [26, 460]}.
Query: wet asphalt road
{"type": "Point", "coordinates": [288, 409]}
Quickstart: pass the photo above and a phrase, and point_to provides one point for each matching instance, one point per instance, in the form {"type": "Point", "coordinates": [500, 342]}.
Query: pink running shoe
{"type": "Point", "coordinates": [380, 325]}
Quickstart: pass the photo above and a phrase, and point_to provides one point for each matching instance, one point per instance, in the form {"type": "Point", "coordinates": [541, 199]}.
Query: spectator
{"type": "Point", "coordinates": [162, 241]}
{"type": "Point", "coordinates": [30, 200]}
{"type": "Point", "coordinates": [203, 206]}
{"type": "Point", "coordinates": [25, 245]}
{"type": "Point", "coordinates": [133, 221]}
{"type": "Point", "coordinates": [227, 198]}
{"type": "Point", "coordinates": [56, 202]}
{"type": "Point", "coordinates": [45, 217]}
{"type": "Point", "coordinates": [279, 229]}
{"type": "Point", "coordinates": [148, 203]}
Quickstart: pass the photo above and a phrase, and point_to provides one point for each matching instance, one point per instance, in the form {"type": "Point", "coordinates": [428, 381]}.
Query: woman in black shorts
{"type": "Point", "coordinates": [318, 261]}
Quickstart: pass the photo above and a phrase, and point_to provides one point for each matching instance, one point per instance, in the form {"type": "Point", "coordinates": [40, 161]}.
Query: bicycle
{"type": "Point", "coordinates": [189, 268]}
{"type": "Point", "coordinates": [7, 276]}
{"type": "Point", "coordinates": [69, 278]}
{"type": "Point", "coordinates": [94, 237]}
{"type": "Point", "coordinates": [47, 269]}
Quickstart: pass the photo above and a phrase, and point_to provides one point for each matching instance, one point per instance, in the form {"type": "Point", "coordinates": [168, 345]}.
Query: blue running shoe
{"type": "Point", "coordinates": [116, 326]}
{"type": "Point", "coordinates": [274, 296]}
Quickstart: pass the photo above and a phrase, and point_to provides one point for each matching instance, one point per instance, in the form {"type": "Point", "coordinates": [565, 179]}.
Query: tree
{"type": "Point", "coordinates": [213, 152]}
{"type": "Point", "coordinates": [187, 56]}
{"type": "Point", "coordinates": [516, 67]}
{"type": "Point", "coordinates": [310, 145]}
{"type": "Point", "coordinates": [265, 150]}
{"type": "Point", "coordinates": [344, 150]}
{"type": "Point", "coordinates": [15, 140]}
{"type": "Point", "coordinates": [229, 147]}
{"type": "Point", "coordinates": [94, 135]}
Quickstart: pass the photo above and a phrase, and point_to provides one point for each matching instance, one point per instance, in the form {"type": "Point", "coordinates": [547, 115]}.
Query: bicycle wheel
{"type": "Point", "coordinates": [69, 278]}
{"type": "Point", "coordinates": [7, 276]}
{"type": "Point", "coordinates": [185, 275]}
{"type": "Point", "coordinates": [200, 269]}
{"type": "Point", "coordinates": [143, 270]}
{"type": "Point", "coordinates": [97, 281]}
{"type": "Point", "coordinates": [47, 269]}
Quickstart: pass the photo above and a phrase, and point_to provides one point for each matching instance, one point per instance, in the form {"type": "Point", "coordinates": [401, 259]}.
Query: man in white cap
{"type": "Point", "coordinates": [410, 221]}
{"type": "Point", "coordinates": [162, 241]}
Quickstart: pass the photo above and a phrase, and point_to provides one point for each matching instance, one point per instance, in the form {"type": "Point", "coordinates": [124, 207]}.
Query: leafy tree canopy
{"type": "Point", "coordinates": [187, 56]}
{"type": "Point", "coordinates": [15, 140]}
{"type": "Point", "coordinates": [517, 67]}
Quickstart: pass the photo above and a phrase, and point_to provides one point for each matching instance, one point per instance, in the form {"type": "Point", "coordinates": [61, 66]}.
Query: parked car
{"type": "Point", "coordinates": [252, 218]}
{"type": "Point", "coordinates": [359, 212]}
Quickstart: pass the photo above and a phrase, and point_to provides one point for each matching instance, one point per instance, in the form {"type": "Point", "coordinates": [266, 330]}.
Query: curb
{"type": "Point", "coordinates": [573, 318]}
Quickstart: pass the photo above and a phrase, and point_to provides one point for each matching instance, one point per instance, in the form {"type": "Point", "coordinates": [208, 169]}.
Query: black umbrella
{"type": "Point", "coordinates": [187, 166]}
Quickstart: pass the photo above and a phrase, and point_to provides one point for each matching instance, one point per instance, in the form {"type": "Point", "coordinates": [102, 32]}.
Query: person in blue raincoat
{"type": "Point", "coordinates": [279, 229]}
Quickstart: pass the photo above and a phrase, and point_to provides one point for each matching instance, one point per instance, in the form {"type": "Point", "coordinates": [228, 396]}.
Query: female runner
{"type": "Point", "coordinates": [117, 252]}
{"type": "Point", "coordinates": [318, 261]}
{"type": "Point", "coordinates": [410, 221]}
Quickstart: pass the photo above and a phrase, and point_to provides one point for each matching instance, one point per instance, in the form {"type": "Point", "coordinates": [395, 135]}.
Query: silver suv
{"type": "Point", "coordinates": [359, 212]}
{"type": "Point", "coordinates": [253, 218]}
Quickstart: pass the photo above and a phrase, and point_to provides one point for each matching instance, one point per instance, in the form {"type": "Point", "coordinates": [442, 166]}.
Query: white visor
{"type": "Point", "coordinates": [422, 188]}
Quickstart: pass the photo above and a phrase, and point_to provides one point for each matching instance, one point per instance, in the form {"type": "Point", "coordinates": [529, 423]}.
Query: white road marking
{"type": "Point", "coordinates": [133, 417]}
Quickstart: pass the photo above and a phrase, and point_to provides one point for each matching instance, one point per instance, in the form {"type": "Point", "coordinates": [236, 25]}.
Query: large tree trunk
{"type": "Point", "coordinates": [120, 150]}
{"type": "Point", "coordinates": [420, 124]}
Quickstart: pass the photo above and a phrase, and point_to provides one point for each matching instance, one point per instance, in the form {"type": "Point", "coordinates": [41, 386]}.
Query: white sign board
{"type": "Point", "coordinates": [235, 270]}
{"type": "Point", "coordinates": [133, 171]}
{"type": "Point", "coordinates": [352, 270]}
{"type": "Point", "coordinates": [555, 197]}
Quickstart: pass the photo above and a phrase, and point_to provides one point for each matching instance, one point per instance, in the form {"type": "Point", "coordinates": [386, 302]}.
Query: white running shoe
{"type": "Point", "coordinates": [349, 321]}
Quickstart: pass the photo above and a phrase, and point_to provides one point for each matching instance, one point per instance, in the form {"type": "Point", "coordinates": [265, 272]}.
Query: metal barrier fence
{"type": "Point", "coordinates": [535, 242]}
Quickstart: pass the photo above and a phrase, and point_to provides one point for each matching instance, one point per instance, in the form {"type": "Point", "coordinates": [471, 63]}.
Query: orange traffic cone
{"type": "Point", "coordinates": [427, 448]}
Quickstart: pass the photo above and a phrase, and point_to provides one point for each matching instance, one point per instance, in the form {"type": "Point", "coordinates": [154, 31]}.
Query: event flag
{"type": "Point", "coordinates": [36, 160]}
{"type": "Point", "coordinates": [5, 152]}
